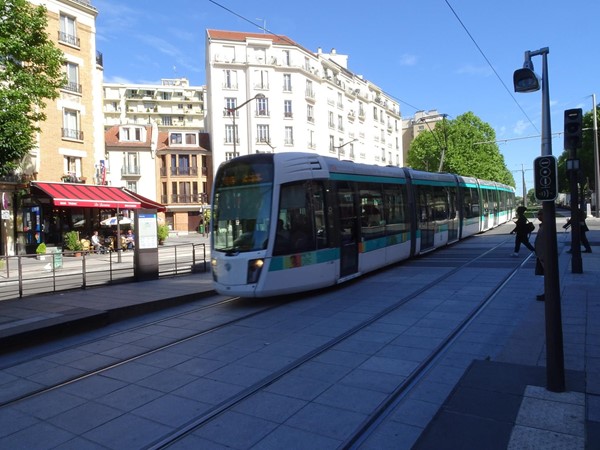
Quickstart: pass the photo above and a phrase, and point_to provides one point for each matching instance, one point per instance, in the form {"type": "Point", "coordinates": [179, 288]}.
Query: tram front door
{"type": "Point", "coordinates": [348, 230]}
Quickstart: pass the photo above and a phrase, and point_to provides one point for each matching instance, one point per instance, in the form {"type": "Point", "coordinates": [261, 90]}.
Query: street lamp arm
{"type": "Point", "coordinates": [343, 145]}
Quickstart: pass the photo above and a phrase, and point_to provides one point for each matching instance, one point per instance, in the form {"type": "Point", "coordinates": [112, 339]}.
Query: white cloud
{"type": "Point", "coordinates": [408, 60]}
{"type": "Point", "coordinates": [520, 127]}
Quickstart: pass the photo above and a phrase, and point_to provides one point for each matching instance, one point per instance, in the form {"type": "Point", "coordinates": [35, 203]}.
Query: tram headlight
{"type": "Point", "coordinates": [213, 265]}
{"type": "Point", "coordinates": [254, 268]}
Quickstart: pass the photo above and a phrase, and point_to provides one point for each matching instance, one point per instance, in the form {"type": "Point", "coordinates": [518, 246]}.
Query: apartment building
{"type": "Point", "coordinates": [167, 119]}
{"type": "Point", "coordinates": [72, 141]}
{"type": "Point", "coordinates": [266, 93]}
{"type": "Point", "coordinates": [172, 104]}
{"type": "Point", "coordinates": [413, 126]}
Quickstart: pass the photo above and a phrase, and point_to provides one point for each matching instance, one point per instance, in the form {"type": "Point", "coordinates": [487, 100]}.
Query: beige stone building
{"type": "Point", "coordinates": [72, 141]}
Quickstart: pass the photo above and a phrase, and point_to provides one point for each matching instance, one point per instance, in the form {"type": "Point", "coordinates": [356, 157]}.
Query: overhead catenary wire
{"type": "Point", "coordinates": [490, 64]}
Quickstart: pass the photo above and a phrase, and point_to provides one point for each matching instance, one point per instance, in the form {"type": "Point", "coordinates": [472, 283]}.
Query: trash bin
{"type": "Point", "coordinates": [201, 229]}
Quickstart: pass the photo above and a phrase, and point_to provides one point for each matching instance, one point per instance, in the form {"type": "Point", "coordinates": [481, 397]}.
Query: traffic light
{"type": "Point", "coordinates": [545, 177]}
{"type": "Point", "coordinates": [573, 126]}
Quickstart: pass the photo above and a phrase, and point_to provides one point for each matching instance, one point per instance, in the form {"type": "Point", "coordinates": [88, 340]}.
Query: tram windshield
{"type": "Point", "coordinates": [242, 205]}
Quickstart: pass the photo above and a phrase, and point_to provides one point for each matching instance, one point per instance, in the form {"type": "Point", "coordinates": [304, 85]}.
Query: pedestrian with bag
{"type": "Point", "coordinates": [523, 228]}
{"type": "Point", "coordinates": [583, 228]}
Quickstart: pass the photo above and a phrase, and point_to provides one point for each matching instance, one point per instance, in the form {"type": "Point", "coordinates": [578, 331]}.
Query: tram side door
{"type": "Point", "coordinates": [348, 226]}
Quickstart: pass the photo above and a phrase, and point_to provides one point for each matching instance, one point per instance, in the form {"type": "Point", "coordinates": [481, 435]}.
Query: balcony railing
{"type": "Point", "coordinates": [73, 87]}
{"type": "Point", "coordinates": [184, 171]}
{"type": "Point", "coordinates": [68, 39]}
{"type": "Point", "coordinates": [183, 198]}
{"type": "Point", "coordinates": [69, 133]}
{"type": "Point", "coordinates": [130, 170]}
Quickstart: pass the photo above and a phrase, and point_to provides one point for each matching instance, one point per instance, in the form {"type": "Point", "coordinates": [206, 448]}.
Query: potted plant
{"type": "Point", "coordinates": [41, 251]}
{"type": "Point", "coordinates": [72, 242]}
{"type": "Point", "coordinates": [162, 233]}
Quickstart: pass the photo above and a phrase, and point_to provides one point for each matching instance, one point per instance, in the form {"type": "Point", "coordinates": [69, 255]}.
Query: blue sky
{"type": "Point", "coordinates": [416, 51]}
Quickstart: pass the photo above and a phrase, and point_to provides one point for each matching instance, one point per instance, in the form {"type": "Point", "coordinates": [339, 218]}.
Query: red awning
{"type": "Point", "coordinates": [87, 196]}
{"type": "Point", "coordinates": [146, 202]}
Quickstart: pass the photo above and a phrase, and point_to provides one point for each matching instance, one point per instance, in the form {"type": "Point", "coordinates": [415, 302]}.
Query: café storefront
{"type": "Point", "coordinates": [51, 209]}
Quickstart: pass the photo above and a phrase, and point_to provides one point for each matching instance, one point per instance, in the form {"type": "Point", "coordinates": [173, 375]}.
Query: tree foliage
{"type": "Point", "coordinates": [585, 154]}
{"type": "Point", "coordinates": [469, 149]}
{"type": "Point", "coordinates": [31, 72]}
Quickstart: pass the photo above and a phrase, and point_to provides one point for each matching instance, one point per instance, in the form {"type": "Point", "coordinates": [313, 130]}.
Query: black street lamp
{"type": "Point", "coordinates": [525, 80]}
{"type": "Point", "coordinates": [233, 111]}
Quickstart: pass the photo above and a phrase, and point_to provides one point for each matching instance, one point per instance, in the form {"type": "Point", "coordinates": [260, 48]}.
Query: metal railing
{"type": "Point", "coordinates": [32, 274]}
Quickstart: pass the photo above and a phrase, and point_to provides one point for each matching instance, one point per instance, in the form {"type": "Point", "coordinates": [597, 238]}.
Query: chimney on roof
{"type": "Point", "coordinates": [333, 51]}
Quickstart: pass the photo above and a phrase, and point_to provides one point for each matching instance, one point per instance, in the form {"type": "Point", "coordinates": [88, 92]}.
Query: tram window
{"type": "Point", "coordinates": [371, 210]}
{"type": "Point", "coordinates": [440, 203]}
{"type": "Point", "coordinates": [396, 218]}
{"type": "Point", "coordinates": [301, 219]}
{"type": "Point", "coordinates": [470, 203]}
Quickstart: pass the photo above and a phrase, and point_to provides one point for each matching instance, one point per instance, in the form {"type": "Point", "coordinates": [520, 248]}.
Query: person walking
{"type": "Point", "coordinates": [523, 228]}
{"type": "Point", "coordinates": [540, 251]}
{"type": "Point", "coordinates": [583, 228]}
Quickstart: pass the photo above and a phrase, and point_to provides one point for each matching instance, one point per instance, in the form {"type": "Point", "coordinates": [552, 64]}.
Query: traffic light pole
{"type": "Point", "coordinates": [573, 134]}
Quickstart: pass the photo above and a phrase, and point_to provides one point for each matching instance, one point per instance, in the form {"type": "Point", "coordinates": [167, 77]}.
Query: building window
{"type": "Point", "coordinates": [262, 133]}
{"type": "Point", "coordinates": [131, 185]}
{"type": "Point", "coordinates": [175, 139]}
{"type": "Point", "coordinates": [68, 31]}
{"type": "Point", "coordinates": [289, 136]}
{"type": "Point", "coordinates": [287, 82]}
{"type": "Point", "coordinates": [71, 128]}
{"type": "Point", "coordinates": [72, 73]}
{"type": "Point", "coordinates": [191, 139]}
{"type": "Point", "coordinates": [340, 123]}
{"type": "Point", "coordinates": [229, 79]}
{"type": "Point", "coordinates": [130, 164]}
{"type": "Point", "coordinates": [286, 58]}
{"type": "Point", "coordinates": [309, 89]}
{"type": "Point", "coordinates": [166, 95]}
{"type": "Point", "coordinates": [310, 113]}
{"type": "Point", "coordinates": [72, 167]}
{"type": "Point", "coordinates": [230, 104]}
{"type": "Point", "coordinates": [262, 106]}
{"type": "Point", "coordinates": [167, 120]}
{"type": "Point", "coordinates": [331, 144]}
{"type": "Point", "coordinates": [261, 79]}
{"type": "Point", "coordinates": [229, 134]}
{"type": "Point", "coordinates": [131, 134]}
{"type": "Point", "coordinates": [311, 139]}
{"type": "Point", "coordinates": [287, 108]}
{"type": "Point", "coordinates": [331, 123]}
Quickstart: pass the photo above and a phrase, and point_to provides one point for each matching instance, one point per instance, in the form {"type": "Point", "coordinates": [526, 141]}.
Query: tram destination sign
{"type": "Point", "coordinates": [545, 175]}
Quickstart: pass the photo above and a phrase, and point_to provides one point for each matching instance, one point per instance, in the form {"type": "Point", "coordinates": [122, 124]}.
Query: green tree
{"type": "Point", "coordinates": [468, 147]}
{"type": "Point", "coordinates": [31, 72]}
{"type": "Point", "coordinates": [585, 154]}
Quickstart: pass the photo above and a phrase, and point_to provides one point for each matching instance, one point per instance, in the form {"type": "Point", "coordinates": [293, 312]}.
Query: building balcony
{"type": "Point", "coordinates": [131, 171]}
{"type": "Point", "coordinates": [73, 86]}
{"type": "Point", "coordinates": [183, 198]}
{"type": "Point", "coordinates": [68, 133]}
{"type": "Point", "coordinates": [68, 39]}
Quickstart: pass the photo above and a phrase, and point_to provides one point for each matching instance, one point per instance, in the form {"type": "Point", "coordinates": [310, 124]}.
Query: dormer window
{"type": "Point", "coordinates": [183, 138]}
{"type": "Point", "coordinates": [132, 134]}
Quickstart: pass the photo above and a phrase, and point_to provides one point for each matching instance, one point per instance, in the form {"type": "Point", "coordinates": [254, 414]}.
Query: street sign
{"type": "Point", "coordinates": [545, 175]}
{"type": "Point", "coordinates": [6, 214]}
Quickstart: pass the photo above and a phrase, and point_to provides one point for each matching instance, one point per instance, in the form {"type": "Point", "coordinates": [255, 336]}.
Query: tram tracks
{"type": "Point", "coordinates": [371, 420]}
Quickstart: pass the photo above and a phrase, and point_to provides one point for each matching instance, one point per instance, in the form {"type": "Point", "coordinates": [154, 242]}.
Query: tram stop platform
{"type": "Point", "coordinates": [496, 404]}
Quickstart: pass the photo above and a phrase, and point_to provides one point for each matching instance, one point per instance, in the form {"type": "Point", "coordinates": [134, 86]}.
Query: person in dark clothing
{"type": "Point", "coordinates": [583, 228]}
{"type": "Point", "coordinates": [521, 231]}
